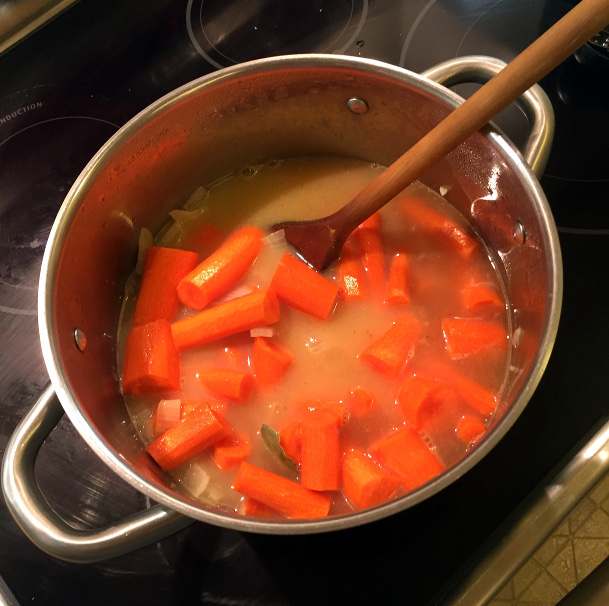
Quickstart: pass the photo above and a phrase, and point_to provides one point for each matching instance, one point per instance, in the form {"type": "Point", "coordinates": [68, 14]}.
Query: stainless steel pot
{"type": "Point", "coordinates": [251, 113]}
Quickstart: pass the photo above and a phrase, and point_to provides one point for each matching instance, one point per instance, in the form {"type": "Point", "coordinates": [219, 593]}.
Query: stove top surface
{"type": "Point", "coordinates": [69, 86]}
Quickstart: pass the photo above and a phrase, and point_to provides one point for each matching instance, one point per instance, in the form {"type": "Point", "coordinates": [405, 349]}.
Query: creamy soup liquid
{"type": "Point", "coordinates": [326, 365]}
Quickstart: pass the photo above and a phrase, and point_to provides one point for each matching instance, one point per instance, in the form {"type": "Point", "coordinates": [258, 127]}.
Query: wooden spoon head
{"type": "Point", "coordinates": [318, 242]}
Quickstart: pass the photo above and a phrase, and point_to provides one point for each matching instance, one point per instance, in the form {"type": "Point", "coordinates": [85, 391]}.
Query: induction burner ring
{"type": "Point", "coordinates": [46, 139]}
{"type": "Point", "coordinates": [412, 30]}
{"type": "Point", "coordinates": [271, 27]}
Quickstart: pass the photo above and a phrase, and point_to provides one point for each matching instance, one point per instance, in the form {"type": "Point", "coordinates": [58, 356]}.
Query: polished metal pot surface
{"type": "Point", "coordinates": [249, 114]}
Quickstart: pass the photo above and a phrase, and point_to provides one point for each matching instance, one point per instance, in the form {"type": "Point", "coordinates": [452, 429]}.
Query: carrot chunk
{"type": "Point", "coordinates": [222, 269]}
{"type": "Point", "coordinates": [320, 458]}
{"type": "Point", "coordinates": [351, 272]}
{"type": "Point", "coordinates": [397, 292]}
{"type": "Point", "coordinates": [287, 497]}
{"type": "Point", "coordinates": [477, 396]}
{"type": "Point", "coordinates": [302, 288]}
{"type": "Point", "coordinates": [481, 295]}
{"type": "Point", "coordinates": [421, 398]}
{"type": "Point", "coordinates": [270, 361]}
{"type": "Point", "coordinates": [469, 428]}
{"type": "Point", "coordinates": [251, 508]}
{"type": "Point", "coordinates": [230, 451]}
{"type": "Point", "coordinates": [417, 212]}
{"type": "Point", "coordinates": [152, 362]}
{"type": "Point", "coordinates": [389, 353]}
{"type": "Point", "coordinates": [163, 270]}
{"type": "Point", "coordinates": [365, 483]}
{"type": "Point", "coordinates": [336, 407]}
{"type": "Point", "coordinates": [362, 402]}
{"type": "Point", "coordinates": [290, 439]}
{"type": "Point", "coordinates": [368, 235]}
{"type": "Point", "coordinates": [465, 336]}
{"type": "Point", "coordinates": [405, 454]}
{"type": "Point", "coordinates": [196, 431]}
{"type": "Point", "coordinates": [205, 240]}
{"type": "Point", "coordinates": [258, 309]}
{"type": "Point", "coordinates": [218, 408]}
{"type": "Point", "coordinates": [234, 385]}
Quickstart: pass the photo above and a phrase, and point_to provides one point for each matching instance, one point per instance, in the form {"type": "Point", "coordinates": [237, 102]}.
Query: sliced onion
{"type": "Point", "coordinates": [262, 331]}
{"type": "Point", "coordinates": [235, 293]}
{"type": "Point", "coordinates": [183, 216]}
{"type": "Point", "coordinates": [517, 336]}
{"type": "Point", "coordinates": [195, 480]}
{"type": "Point", "coordinates": [212, 495]}
{"type": "Point", "coordinates": [196, 198]}
{"type": "Point", "coordinates": [167, 414]}
{"type": "Point", "coordinates": [275, 239]}
{"type": "Point", "coordinates": [132, 286]}
{"type": "Point", "coordinates": [145, 240]}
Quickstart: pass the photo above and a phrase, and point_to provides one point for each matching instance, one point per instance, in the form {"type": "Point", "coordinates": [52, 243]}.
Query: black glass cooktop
{"type": "Point", "coordinates": [70, 85]}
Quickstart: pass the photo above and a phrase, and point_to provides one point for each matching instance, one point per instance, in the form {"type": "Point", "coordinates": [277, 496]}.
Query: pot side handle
{"type": "Point", "coordinates": [535, 103]}
{"type": "Point", "coordinates": [41, 523]}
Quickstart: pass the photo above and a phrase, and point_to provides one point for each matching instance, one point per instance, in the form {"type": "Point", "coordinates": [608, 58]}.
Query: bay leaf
{"type": "Point", "coordinates": [270, 437]}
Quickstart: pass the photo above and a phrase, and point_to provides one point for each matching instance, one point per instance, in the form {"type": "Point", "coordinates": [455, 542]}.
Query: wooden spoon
{"type": "Point", "coordinates": [319, 242]}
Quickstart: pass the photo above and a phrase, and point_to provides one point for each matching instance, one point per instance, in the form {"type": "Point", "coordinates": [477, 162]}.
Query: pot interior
{"type": "Point", "coordinates": [252, 114]}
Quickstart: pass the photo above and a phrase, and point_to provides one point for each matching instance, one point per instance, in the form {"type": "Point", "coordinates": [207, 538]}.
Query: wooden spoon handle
{"type": "Point", "coordinates": [554, 46]}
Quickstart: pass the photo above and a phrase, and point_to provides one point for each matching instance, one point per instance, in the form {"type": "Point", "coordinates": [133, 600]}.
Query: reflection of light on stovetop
{"type": "Point", "coordinates": [44, 144]}
{"type": "Point", "coordinates": [228, 34]}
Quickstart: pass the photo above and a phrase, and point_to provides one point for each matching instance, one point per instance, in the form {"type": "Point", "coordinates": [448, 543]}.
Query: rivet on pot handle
{"type": "Point", "coordinates": [43, 526]}
{"type": "Point", "coordinates": [535, 103]}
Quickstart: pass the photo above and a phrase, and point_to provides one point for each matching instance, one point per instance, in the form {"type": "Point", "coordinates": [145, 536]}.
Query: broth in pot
{"type": "Point", "coordinates": [370, 380]}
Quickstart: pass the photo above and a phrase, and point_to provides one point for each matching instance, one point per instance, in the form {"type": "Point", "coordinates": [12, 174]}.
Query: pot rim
{"type": "Point", "coordinates": [187, 506]}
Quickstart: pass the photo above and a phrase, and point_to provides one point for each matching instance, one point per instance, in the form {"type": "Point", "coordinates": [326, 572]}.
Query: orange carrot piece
{"type": "Point", "coordinates": [290, 439]}
{"type": "Point", "coordinates": [163, 270]}
{"type": "Point", "coordinates": [405, 454]}
{"type": "Point", "coordinates": [389, 353]}
{"type": "Point", "coordinates": [258, 309]}
{"type": "Point", "coordinates": [231, 451]}
{"type": "Point", "coordinates": [368, 235]}
{"type": "Point", "coordinates": [152, 362]}
{"type": "Point", "coordinates": [336, 407]}
{"type": "Point", "coordinates": [205, 239]}
{"type": "Point", "coordinates": [365, 484]}
{"type": "Point", "coordinates": [218, 408]}
{"type": "Point", "coordinates": [234, 385]}
{"type": "Point", "coordinates": [418, 212]}
{"type": "Point", "coordinates": [287, 497]}
{"type": "Point", "coordinates": [397, 292]}
{"type": "Point", "coordinates": [351, 271]}
{"type": "Point", "coordinates": [320, 458]}
{"type": "Point", "coordinates": [477, 396]}
{"type": "Point", "coordinates": [222, 269]}
{"type": "Point", "coordinates": [481, 295]}
{"type": "Point", "coordinates": [421, 398]}
{"type": "Point", "coordinates": [251, 508]}
{"type": "Point", "coordinates": [302, 288]}
{"type": "Point", "coordinates": [469, 428]}
{"type": "Point", "coordinates": [362, 402]}
{"type": "Point", "coordinates": [423, 283]}
{"type": "Point", "coordinates": [270, 361]}
{"type": "Point", "coordinates": [196, 431]}
{"type": "Point", "coordinates": [465, 336]}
